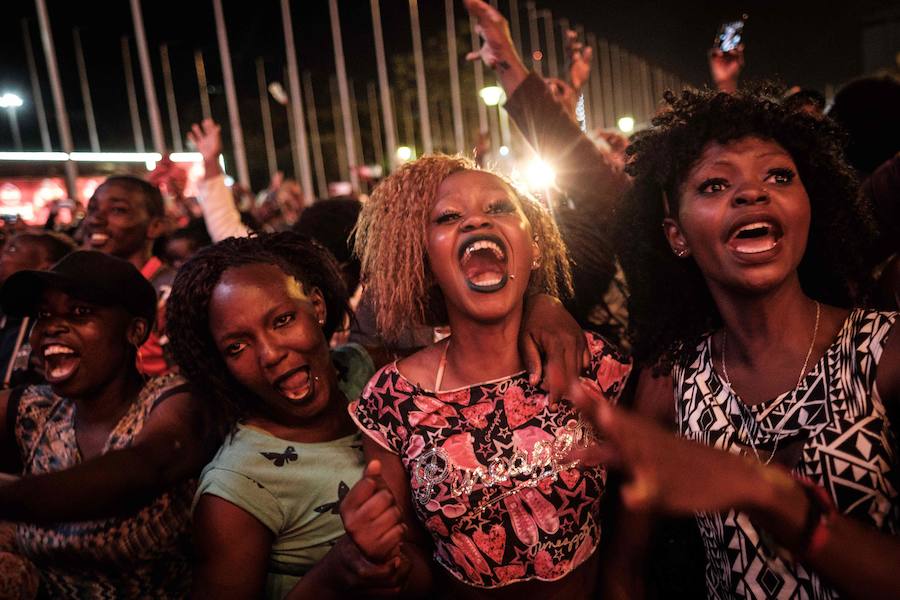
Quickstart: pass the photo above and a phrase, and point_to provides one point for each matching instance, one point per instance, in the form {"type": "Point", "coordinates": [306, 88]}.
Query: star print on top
{"type": "Point", "coordinates": [489, 469]}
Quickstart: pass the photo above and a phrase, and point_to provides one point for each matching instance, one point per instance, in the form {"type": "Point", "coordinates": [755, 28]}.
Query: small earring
{"type": "Point", "coordinates": [535, 264]}
{"type": "Point", "coordinates": [321, 321]}
{"type": "Point", "coordinates": [681, 252]}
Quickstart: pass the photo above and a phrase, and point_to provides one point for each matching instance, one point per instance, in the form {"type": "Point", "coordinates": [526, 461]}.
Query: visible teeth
{"type": "Point", "coordinates": [486, 245]}
{"type": "Point", "coordinates": [99, 237]}
{"type": "Point", "coordinates": [753, 226]}
{"type": "Point", "coordinates": [487, 280]}
{"type": "Point", "coordinates": [57, 349]}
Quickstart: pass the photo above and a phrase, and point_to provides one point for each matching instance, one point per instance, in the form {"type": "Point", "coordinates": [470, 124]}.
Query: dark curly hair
{"type": "Point", "coordinates": [187, 311]}
{"type": "Point", "coordinates": [670, 306]}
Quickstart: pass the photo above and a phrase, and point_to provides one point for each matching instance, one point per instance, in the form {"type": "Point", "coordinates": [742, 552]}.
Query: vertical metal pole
{"type": "Point", "coordinates": [85, 92]}
{"type": "Point", "coordinates": [140, 39]}
{"type": "Point", "coordinates": [266, 112]}
{"type": "Point", "coordinates": [619, 109]}
{"type": "Point", "coordinates": [387, 109]}
{"type": "Point", "coordinates": [479, 80]}
{"type": "Point", "coordinates": [424, 118]}
{"type": "Point", "coordinates": [514, 24]}
{"type": "Point", "coordinates": [596, 84]}
{"type": "Point", "coordinates": [375, 123]}
{"type": "Point", "coordinates": [59, 101]}
{"type": "Point", "coordinates": [625, 69]}
{"type": "Point", "coordinates": [132, 97]}
{"type": "Point", "coordinates": [170, 98]}
{"type": "Point", "coordinates": [14, 126]}
{"type": "Point", "coordinates": [340, 136]}
{"type": "Point", "coordinates": [344, 92]}
{"type": "Point", "coordinates": [202, 85]}
{"type": "Point", "coordinates": [292, 135]}
{"type": "Point", "coordinates": [535, 37]}
{"type": "Point", "coordinates": [609, 109]}
{"type": "Point", "coordinates": [409, 128]}
{"type": "Point", "coordinates": [296, 102]}
{"type": "Point", "coordinates": [586, 94]}
{"type": "Point", "coordinates": [312, 115]}
{"type": "Point", "coordinates": [234, 117]}
{"type": "Point", "coordinates": [453, 58]}
{"type": "Point", "coordinates": [354, 121]}
{"type": "Point", "coordinates": [36, 89]}
{"type": "Point", "coordinates": [550, 35]}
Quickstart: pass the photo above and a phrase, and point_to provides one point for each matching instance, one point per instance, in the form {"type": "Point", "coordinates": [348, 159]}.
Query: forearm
{"type": "Point", "coordinates": [223, 220]}
{"type": "Point", "coordinates": [110, 484]}
{"type": "Point", "coordinates": [854, 558]}
{"type": "Point", "coordinates": [582, 170]}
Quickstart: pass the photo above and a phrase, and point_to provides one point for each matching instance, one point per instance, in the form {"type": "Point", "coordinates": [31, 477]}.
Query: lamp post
{"type": "Point", "coordinates": [11, 102]}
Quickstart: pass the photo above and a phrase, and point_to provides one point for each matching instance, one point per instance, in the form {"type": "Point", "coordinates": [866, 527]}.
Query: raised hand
{"type": "Point", "coordinates": [372, 518]}
{"type": "Point", "coordinates": [664, 473]}
{"type": "Point", "coordinates": [725, 68]}
{"type": "Point", "coordinates": [207, 138]}
{"type": "Point", "coordinates": [579, 59]}
{"type": "Point", "coordinates": [498, 51]}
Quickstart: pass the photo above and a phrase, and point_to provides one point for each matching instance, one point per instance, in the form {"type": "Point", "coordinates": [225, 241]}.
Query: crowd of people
{"type": "Point", "coordinates": [454, 389]}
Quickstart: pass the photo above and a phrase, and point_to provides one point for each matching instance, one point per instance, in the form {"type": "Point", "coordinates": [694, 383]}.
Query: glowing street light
{"type": "Point", "coordinates": [539, 175]}
{"type": "Point", "coordinates": [626, 124]}
{"type": "Point", "coordinates": [492, 95]}
{"type": "Point", "coordinates": [404, 153]}
{"type": "Point", "coordinates": [11, 102]}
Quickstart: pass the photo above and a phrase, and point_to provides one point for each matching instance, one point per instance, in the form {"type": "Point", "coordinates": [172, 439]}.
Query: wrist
{"type": "Point", "coordinates": [211, 168]}
{"type": "Point", "coordinates": [510, 71]}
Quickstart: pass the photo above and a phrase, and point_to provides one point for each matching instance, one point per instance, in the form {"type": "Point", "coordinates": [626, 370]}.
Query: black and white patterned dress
{"type": "Point", "coordinates": [848, 447]}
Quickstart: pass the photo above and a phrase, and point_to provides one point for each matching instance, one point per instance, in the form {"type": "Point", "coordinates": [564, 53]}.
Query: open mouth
{"type": "Point", "coordinates": [483, 263]}
{"type": "Point", "coordinates": [755, 237]}
{"type": "Point", "coordinates": [295, 385]}
{"type": "Point", "coordinates": [60, 362]}
{"type": "Point", "coordinates": [98, 239]}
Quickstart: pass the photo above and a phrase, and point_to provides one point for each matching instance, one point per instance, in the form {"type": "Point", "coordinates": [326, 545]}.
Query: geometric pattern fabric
{"type": "Point", "coordinates": [847, 446]}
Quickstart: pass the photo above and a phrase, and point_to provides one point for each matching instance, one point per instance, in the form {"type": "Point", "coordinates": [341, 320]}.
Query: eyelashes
{"type": "Point", "coordinates": [778, 176]}
{"type": "Point", "coordinates": [498, 207]}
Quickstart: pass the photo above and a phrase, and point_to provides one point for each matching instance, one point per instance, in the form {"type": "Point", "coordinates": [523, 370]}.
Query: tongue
{"type": "Point", "coordinates": [60, 366]}
{"type": "Point", "coordinates": [296, 383]}
{"type": "Point", "coordinates": [483, 268]}
{"type": "Point", "coordinates": [753, 245]}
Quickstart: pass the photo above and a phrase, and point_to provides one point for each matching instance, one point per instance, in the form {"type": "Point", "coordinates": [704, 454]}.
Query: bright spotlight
{"type": "Point", "coordinates": [492, 95]}
{"type": "Point", "coordinates": [404, 153]}
{"type": "Point", "coordinates": [10, 100]}
{"type": "Point", "coordinates": [626, 124]}
{"type": "Point", "coordinates": [539, 175]}
{"type": "Point", "coordinates": [504, 150]}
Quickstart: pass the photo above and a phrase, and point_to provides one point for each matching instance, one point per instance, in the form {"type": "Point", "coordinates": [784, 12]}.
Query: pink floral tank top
{"type": "Point", "coordinates": [489, 469]}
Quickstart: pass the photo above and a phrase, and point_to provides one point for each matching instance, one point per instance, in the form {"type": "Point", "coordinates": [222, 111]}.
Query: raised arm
{"type": "Point", "coordinates": [171, 448]}
{"type": "Point", "coordinates": [223, 220]}
{"type": "Point", "coordinates": [582, 171]}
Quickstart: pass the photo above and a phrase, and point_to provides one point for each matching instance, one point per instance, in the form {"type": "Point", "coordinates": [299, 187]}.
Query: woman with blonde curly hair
{"type": "Point", "coordinates": [476, 455]}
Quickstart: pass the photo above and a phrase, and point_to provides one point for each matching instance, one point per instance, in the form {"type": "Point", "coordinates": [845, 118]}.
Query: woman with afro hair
{"type": "Point", "coordinates": [742, 241]}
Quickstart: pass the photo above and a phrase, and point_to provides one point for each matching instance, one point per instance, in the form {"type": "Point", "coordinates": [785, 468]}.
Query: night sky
{"type": "Point", "coordinates": [805, 43]}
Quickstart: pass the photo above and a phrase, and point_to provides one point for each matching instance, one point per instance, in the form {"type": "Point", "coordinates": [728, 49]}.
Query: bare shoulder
{"type": "Point", "coordinates": [888, 378]}
{"type": "Point", "coordinates": [420, 368]}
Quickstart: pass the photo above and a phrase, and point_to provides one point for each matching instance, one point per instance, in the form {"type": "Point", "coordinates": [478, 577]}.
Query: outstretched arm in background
{"type": "Point", "coordinates": [223, 220]}
{"type": "Point", "coordinates": [582, 170]}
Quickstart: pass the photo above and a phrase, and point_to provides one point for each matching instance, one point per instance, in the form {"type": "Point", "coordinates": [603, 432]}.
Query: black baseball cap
{"type": "Point", "coordinates": [86, 274]}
